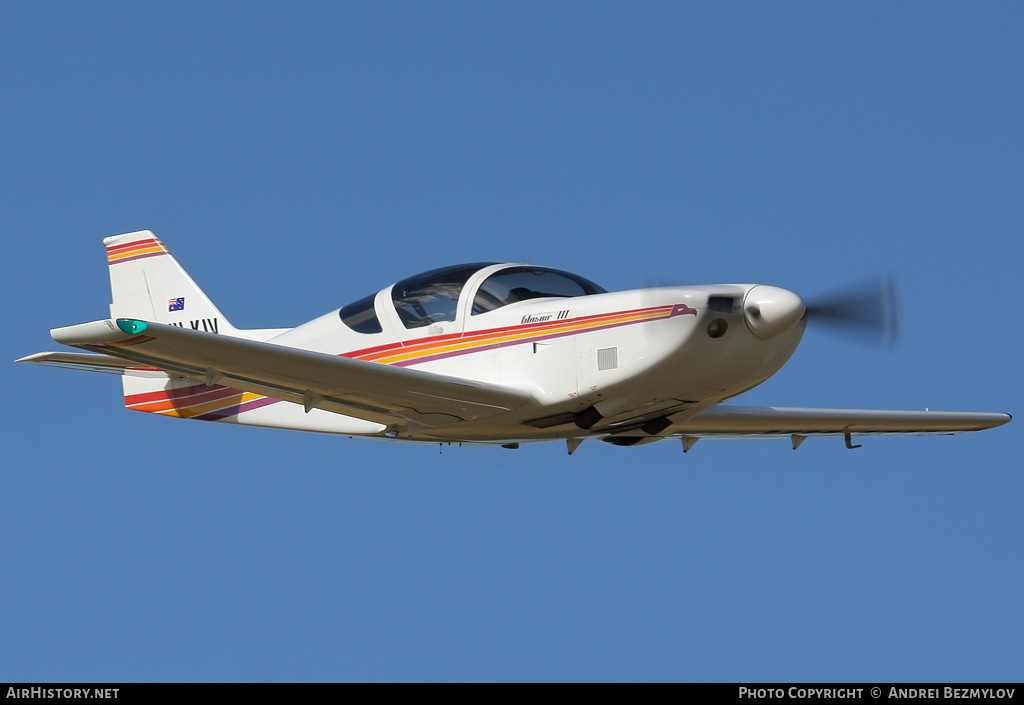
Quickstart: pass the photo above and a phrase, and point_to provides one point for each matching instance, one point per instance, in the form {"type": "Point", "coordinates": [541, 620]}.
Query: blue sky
{"type": "Point", "coordinates": [297, 158]}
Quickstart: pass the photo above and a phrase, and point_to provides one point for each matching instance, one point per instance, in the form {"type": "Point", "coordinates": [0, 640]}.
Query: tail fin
{"type": "Point", "coordinates": [148, 283]}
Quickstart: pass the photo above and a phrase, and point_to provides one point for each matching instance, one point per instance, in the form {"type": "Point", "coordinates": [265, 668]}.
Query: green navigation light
{"type": "Point", "coordinates": [130, 326]}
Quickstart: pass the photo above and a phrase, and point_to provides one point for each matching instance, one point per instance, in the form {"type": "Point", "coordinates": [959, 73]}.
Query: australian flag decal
{"type": "Point", "coordinates": [177, 304]}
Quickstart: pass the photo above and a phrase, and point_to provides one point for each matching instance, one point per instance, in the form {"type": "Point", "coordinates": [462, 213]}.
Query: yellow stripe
{"type": "Point", "coordinates": [216, 405]}
{"type": "Point", "coordinates": [134, 252]}
{"type": "Point", "coordinates": [401, 356]}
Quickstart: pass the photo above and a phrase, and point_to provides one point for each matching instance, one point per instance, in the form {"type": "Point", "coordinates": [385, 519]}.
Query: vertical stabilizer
{"type": "Point", "coordinates": [146, 282]}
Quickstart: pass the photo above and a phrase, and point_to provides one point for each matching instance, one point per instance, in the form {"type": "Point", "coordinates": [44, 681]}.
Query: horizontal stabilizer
{"type": "Point", "coordinates": [90, 363]}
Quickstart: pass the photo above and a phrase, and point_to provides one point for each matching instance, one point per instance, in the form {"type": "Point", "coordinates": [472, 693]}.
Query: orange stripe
{"type": "Point", "coordinates": [114, 249]}
{"type": "Point", "coordinates": [118, 249]}
{"type": "Point", "coordinates": [516, 333]}
{"type": "Point", "coordinates": [162, 400]}
{"type": "Point", "coordinates": [200, 409]}
{"type": "Point", "coordinates": [115, 257]}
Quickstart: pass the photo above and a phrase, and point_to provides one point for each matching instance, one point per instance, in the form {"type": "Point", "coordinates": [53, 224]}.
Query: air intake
{"type": "Point", "coordinates": [607, 359]}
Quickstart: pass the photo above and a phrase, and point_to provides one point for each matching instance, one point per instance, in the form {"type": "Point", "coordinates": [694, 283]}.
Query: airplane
{"type": "Point", "coordinates": [481, 353]}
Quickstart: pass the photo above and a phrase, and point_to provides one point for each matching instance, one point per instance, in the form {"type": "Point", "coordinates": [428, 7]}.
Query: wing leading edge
{"type": "Point", "coordinates": [367, 390]}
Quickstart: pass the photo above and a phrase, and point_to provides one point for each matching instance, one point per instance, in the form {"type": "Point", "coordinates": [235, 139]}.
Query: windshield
{"type": "Point", "coordinates": [523, 283]}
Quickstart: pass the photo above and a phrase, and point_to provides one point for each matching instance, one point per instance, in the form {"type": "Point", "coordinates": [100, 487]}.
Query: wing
{"type": "Point", "coordinates": [766, 421]}
{"type": "Point", "coordinates": [366, 390]}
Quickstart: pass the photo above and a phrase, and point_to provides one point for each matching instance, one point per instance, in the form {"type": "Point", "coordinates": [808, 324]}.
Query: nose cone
{"type": "Point", "coordinates": [770, 310]}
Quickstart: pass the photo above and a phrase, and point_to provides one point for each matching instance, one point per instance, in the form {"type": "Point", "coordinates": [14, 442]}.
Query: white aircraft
{"type": "Point", "coordinates": [475, 353]}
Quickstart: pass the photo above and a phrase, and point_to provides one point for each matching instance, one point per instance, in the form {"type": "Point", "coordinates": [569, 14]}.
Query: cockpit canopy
{"type": "Point", "coordinates": [433, 297]}
{"type": "Point", "coordinates": [524, 282]}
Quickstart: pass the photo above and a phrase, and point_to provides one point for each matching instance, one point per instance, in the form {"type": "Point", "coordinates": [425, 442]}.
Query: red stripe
{"type": "Point", "coordinates": [506, 343]}
{"type": "Point", "coordinates": [179, 393]}
{"type": "Point", "coordinates": [114, 249]}
{"type": "Point", "coordinates": [203, 394]}
{"type": "Point", "coordinates": [479, 335]}
{"type": "Point", "coordinates": [368, 351]}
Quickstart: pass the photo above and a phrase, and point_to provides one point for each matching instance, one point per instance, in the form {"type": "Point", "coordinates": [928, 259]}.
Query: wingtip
{"type": "Point", "coordinates": [104, 331]}
{"type": "Point", "coordinates": [997, 419]}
